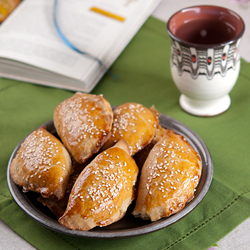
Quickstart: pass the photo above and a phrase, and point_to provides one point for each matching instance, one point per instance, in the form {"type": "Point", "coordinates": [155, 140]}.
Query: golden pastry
{"type": "Point", "coordinates": [58, 207]}
{"type": "Point", "coordinates": [142, 155]}
{"type": "Point", "coordinates": [83, 123]}
{"type": "Point", "coordinates": [103, 191]}
{"type": "Point", "coordinates": [168, 178]}
{"type": "Point", "coordinates": [134, 123]}
{"type": "Point", "coordinates": [42, 164]}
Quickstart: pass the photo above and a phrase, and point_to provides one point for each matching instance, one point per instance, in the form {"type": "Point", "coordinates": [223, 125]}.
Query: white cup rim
{"type": "Point", "coordinates": [234, 39]}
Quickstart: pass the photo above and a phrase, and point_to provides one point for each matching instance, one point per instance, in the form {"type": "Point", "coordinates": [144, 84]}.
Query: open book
{"type": "Point", "coordinates": [31, 49]}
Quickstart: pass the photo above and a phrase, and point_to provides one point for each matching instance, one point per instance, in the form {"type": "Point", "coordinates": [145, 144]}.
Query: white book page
{"type": "Point", "coordinates": [29, 35]}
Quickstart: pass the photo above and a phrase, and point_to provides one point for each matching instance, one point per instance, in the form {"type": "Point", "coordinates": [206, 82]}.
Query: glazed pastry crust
{"type": "Point", "coordinates": [168, 179]}
{"type": "Point", "coordinates": [58, 207]}
{"type": "Point", "coordinates": [42, 164]}
{"type": "Point", "coordinates": [134, 123]}
{"type": "Point", "coordinates": [83, 123]}
{"type": "Point", "coordinates": [103, 191]}
{"type": "Point", "coordinates": [142, 155]}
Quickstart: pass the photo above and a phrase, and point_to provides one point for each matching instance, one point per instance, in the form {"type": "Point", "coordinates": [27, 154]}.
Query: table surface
{"type": "Point", "coordinates": [238, 238]}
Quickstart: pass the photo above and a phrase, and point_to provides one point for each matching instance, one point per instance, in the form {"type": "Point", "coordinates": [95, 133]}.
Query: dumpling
{"type": "Point", "coordinates": [42, 164]}
{"type": "Point", "coordinates": [83, 123]}
{"type": "Point", "coordinates": [168, 178]}
{"type": "Point", "coordinates": [103, 191]}
{"type": "Point", "coordinates": [134, 123]}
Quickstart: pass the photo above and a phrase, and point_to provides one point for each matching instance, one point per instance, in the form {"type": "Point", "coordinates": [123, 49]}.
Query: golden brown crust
{"type": "Point", "coordinates": [42, 165]}
{"type": "Point", "coordinates": [58, 207]}
{"type": "Point", "coordinates": [160, 132]}
{"type": "Point", "coordinates": [83, 123]}
{"type": "Point", "coordinates": [103, 191]}
{"type": "Point", "coordinates": [168, 178]}
{"type": "Point", "coordinates": [134, 123]}
{"type": "Point", "coordinates": [142, 155]}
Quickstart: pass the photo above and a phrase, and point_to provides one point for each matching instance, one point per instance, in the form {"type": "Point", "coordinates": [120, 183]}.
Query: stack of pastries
{"type": "Point", "coordinates": [103, 160]}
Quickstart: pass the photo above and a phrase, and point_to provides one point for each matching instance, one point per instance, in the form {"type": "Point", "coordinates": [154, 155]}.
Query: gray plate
{"type": "Point", "coordinates": [128, 226]}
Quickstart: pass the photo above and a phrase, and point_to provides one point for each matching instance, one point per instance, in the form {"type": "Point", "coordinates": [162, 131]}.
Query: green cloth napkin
{"type": "Point", "coordinates": [144, 70]}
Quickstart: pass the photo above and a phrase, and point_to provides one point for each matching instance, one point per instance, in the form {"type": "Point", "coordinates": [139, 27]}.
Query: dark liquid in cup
{"type": "Point", "coordinates": [205, 32]}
